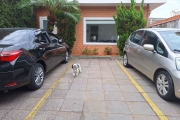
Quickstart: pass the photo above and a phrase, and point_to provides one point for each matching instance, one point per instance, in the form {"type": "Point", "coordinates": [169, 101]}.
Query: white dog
{"type": "Point", "coordinates": [76, 68]}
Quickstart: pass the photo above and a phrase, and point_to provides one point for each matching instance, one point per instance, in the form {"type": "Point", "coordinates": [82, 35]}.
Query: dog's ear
{"type": "Point", "coordinates": [72, 66]}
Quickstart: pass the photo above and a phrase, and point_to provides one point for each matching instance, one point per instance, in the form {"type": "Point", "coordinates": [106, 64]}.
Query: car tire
{"type": "Point", "coordinates": [125, 60]}
{"type": "Point", "coordinates": [66, 59]}
{"type": "Point", "coordinates": [37, 77]}
{"type": "Point", "coordinates": [165, 85]}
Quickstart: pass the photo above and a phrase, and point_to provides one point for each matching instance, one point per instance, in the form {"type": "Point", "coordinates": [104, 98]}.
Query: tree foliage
{"type": "Point", "coordinates": [66, 29]}
{"type": "Point", "coordinates": [12, 16]}
{"type": "Point", "coordinates": [128, 20]}
{"type": "Point", "coordinates": [66, 7]}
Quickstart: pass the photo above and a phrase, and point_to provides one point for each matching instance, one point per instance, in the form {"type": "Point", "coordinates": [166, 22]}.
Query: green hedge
{"type": "Point", "coordinates": [12, 16]}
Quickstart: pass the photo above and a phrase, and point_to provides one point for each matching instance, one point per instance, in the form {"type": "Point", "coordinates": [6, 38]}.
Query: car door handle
{"type": "Point", "coordinates": [139, 50]}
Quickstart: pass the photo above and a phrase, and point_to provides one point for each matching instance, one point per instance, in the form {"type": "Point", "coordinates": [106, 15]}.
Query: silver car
{"type": "Point", "coordinates": [156, 53]}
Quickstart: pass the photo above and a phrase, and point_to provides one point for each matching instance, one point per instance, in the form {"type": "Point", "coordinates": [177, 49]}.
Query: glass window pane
{"type": "Point", "coordinates": [137, 37]}
{"type": "Point", "coordinates": [101, 31]}
{"type": "Point", "coordinates": [45, 24]}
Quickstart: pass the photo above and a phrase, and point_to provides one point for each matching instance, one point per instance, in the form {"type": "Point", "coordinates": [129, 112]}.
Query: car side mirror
{"type": "Point", "coordinates": [148, 47]}
{"type": "Point", "coordinates": [60, 40]}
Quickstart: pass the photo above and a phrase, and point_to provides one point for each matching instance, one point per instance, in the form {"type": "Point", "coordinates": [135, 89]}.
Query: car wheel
{"type": "Point", "coordinates": [37, 77]}
{"type": "Point", "coordinates": [165, 85]}
{"type": "Point", "coordinates": [66, 57]}
{"type": "Point", "coordinates": [125, 60]}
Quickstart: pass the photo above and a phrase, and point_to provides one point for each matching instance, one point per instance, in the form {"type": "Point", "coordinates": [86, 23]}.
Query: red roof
{"type": "Point", "coordinates": [166, 20]}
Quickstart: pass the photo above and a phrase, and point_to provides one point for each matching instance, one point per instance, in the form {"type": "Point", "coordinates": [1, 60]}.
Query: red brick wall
{"type": "Point", "coordinates": [103, 11]}
{"type": "Point", "coordinates": [92, 12]}
{"type": "Point", "coordinates": [40, 12]}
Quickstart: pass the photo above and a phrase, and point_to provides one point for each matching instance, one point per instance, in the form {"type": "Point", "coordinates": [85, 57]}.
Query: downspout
{"type": "Point", "coordinates": [147, 15]}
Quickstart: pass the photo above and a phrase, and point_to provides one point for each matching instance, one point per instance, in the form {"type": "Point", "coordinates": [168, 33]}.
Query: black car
{"type": "Point", "coordinates": [26, 54]}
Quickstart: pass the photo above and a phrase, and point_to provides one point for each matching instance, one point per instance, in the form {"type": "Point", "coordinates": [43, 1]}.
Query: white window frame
{"type": "Point", "coordinates": [84, 30]}
{"type": "Point", "coordinates": [41, 18]}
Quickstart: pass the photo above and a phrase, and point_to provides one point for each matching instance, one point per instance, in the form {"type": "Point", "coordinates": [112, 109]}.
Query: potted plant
{"type": "Point", "coordinates": [108, 50]}
{"type": "Point", "coordinates": [95, 51]}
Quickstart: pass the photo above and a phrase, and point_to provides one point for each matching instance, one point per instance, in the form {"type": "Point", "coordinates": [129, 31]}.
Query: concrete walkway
{"type": "Point", "coordinates": [101, 92]}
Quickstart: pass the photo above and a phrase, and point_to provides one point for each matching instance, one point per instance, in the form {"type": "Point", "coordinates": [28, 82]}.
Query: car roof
{"type": "Point", "coordinates": [36, 30]}
{"type": "Point", "coordinates": [161, 29]}
{"type": "Point", "coordinates": [18, 28]}
{"type": "Point", "coordinates": [21, 28]}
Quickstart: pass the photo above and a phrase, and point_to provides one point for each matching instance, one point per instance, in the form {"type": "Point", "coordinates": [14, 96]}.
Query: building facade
{"type": "Point", "coordinates": [97, 28]}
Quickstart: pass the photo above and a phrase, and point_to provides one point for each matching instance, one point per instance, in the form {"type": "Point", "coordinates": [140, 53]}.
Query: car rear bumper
{"type": "Point", "coordinates": [15, 78]}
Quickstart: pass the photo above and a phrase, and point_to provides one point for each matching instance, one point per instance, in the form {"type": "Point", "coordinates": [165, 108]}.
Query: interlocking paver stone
{"type": "Point", "coordinates": [132, 96]}
{"type": "Point", "coordinates": [94, 106]}
{"type": "Point", "coordinates": [94, 81]}
{"type": "Point", "coordinates": [128, 88]}
{"type": "Point", "coordinates": [108, 87]}
{"type": "Point", "coordinates": [109, 82]}
{"type": "Point", "coordinates": [94, 95]}
{"type": "Point", "coordinates": [95, 116]}
{"type": "Point", "coordinates": [61, 94]}
{"type": "Point", "coordinates": [64, 86]}
{"type": "Point", "coordinates": [16, 115]}
{"type": "Point", "coordinates": [147, 117]}
{"type": "Point", "coordinates": [77, 94]}
{"type": "Point", "coordinates": [94, 87]}
{"type": "Point", "coordinates": [114, 96]}
{"type": "Point", "coordinates": [117, 107]}
{"type": "Point", "coordinates": [119, 117]}
{"type": "Point", "coordinates": [52, 104]}
{"type": "Point", "coordinates": [78, 86]}
{"type": "Point", "coordinates": [73, 105]}
{"type": "Point", "coordinates": [68, 116]}
{"type": "Point", "coordinates": [140, 108]}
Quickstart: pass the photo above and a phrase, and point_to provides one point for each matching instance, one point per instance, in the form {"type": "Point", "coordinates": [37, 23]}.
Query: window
{"type": "Point", "coordinates": [160, 48]}
{"type": "Point", "coordinates": [42, 38]}
{"type": "Point", "coordinates": [151, 38]}
{"type": "Point", "coordinates": [137, 37]}
{"type": "Point", "coordinates": [100, 31]}
{"type": "Point", "coordinates": [52, 37]}
{"type": "Point", "coordinates": [43, 24]}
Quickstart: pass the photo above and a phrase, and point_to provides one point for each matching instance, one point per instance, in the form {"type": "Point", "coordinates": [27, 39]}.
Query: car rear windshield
{"type": "Point", "coordinates": [10, 36]}
{"type": "Point", "coordinates": [172, 38]}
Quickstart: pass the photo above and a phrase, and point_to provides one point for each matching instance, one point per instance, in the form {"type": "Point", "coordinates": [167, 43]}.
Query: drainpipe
{"type": "Point", "coordinates": [147, 15]}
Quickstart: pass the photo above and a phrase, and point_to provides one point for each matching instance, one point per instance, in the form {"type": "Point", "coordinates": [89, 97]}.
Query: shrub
{"type": "Point", "coordinates": [86, 51]}
{"type": "Point", "coordinates": [108, 50]}
{"type": "Point", "coordinates": [95, 51]}
{"type": "Point", "coordinates": [127, 21]}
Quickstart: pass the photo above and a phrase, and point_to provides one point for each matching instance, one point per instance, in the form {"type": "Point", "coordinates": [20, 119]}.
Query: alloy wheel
{"type": "Point", "coordinates": [162, 84]}
{"type": "Point", "coordinates": [125, 59]}
{"type": "Point", "coordinates": [67, 56]}
{"type": "Point", "coordinates": [39, 76]}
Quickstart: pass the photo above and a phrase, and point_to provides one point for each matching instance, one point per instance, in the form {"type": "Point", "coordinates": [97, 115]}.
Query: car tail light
{"type": "Point", "coordinates": [9, 56]}
{"type": "Point", "coordinates": [11, 84]}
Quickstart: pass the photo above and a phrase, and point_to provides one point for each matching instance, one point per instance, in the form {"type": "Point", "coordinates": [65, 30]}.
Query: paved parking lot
{"type": "Point", "coordinates": [101, 92]}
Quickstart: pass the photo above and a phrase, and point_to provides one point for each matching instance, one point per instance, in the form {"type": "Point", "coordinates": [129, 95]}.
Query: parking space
{"type": "Point", "coordinates": [101, 92]}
